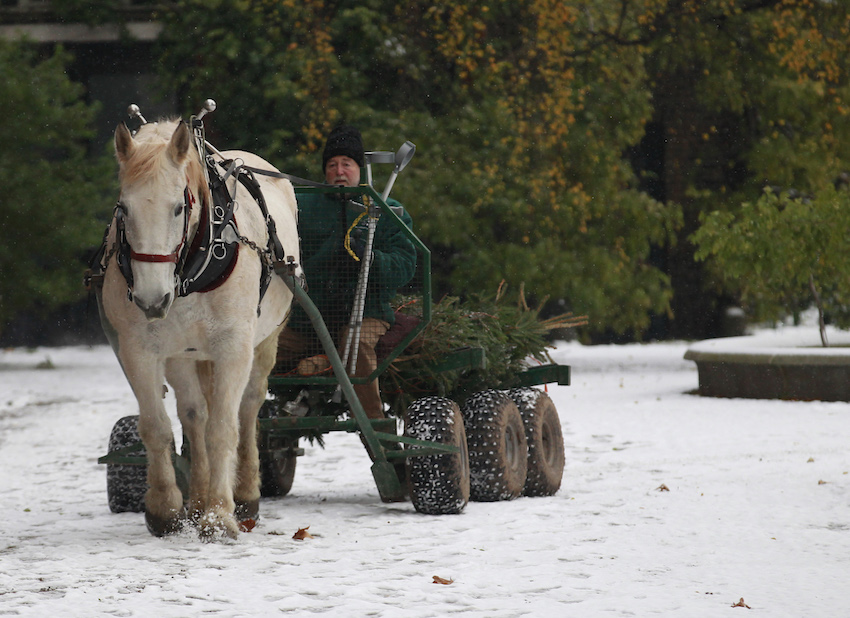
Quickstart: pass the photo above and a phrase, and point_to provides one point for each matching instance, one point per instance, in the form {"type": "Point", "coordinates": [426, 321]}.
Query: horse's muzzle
{"type": "Point", "coordinates": [156, 310]}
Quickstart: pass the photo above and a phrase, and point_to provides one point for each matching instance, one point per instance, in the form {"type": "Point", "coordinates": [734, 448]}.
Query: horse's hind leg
{"type": "Point", "coordinates": [247, 490]}
{"type": "Point", "coordinates": [163, 500]}
{"type": "Point", "coordinates": [186, 377]}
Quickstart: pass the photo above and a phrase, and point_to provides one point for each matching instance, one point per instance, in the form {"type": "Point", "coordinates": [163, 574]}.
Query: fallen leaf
{"type": "Point", "coordinates": [246, 525]}
{"type": "Point", "coordinates": [821, 482]}
{"type": "Point", "coordinates": [811, 460]}
{"type": "Point", "coordinates": [741, 604]}
{"type": "Point", "coordinates": [440, 580]}
{"type": "Point", "coordinates": [662, 487]}
{"type": "Point", "coordinates": [302, 534]}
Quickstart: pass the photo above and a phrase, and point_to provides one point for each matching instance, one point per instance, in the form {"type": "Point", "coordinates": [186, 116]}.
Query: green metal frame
{"type": "Point", "coordinates": [425, 268]}
{"type": "Point", "coordinates": [124, 457]}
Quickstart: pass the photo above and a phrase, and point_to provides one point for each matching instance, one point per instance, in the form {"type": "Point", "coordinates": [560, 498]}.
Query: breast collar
{"type": "Point", "coordinates": [212, 254]}
{"type": "Point", "coordinates": [211, 260]}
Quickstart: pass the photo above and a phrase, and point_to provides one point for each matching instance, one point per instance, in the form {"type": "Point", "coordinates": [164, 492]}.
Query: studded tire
{"type": "Point", "coordinates": [545, 441]}
{"type": "Point", "coordinates": [126, 484]}
{"type": "Point", "coordinates": [498, 453]}
{"type": "Point", "coordinates": [438, 484]}
{"type": "Point", "coordinates": [277, 470]}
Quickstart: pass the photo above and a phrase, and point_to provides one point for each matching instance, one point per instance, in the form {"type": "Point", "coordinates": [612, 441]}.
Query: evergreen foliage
{"type": "Point", "coordinates": [51, 190]}
{"type": "Point", "coordinates": [510, 333]}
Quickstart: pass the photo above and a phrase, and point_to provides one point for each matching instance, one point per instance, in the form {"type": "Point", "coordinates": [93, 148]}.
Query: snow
{"type": "Point", "coordinates": [802, 343]}
{"type": "Point", "coordinates": [755, 507]}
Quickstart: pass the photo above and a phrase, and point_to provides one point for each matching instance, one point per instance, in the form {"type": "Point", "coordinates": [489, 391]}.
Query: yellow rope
{"type": "Point", "coordinates": [347, 240]}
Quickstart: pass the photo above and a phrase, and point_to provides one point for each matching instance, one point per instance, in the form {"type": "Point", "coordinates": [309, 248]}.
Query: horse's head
{"type": "Point", "coordinates": [152, 214]}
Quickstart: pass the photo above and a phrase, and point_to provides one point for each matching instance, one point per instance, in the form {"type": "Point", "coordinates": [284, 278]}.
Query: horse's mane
{"type": "Point", "coordinates": [149, 162]}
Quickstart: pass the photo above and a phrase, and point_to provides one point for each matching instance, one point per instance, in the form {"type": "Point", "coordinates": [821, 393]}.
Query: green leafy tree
{"type": "Point", "coordinates": [783, 253]}
{"type": "Point", "coordinates": [744, 93]}
{"type": "Point", "coordinates": [51, 190]}
{"type": "Point", "coordinates": [794, 139]}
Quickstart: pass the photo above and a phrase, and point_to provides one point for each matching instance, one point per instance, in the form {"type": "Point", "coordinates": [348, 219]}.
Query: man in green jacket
{"type": "Point", "coordinates": [333, 230]}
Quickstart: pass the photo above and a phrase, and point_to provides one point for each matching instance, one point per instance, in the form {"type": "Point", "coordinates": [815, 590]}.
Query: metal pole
{"type": "Point", "coordinates": [352, 338]}
{"type": "Point", "coordinates": [382, 470]}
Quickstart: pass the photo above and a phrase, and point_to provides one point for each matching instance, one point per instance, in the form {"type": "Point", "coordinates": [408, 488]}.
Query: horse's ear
{"type": "Point", "coordinates": [179, 145]}
{"type": "Point", "coordinates": [124, 143]}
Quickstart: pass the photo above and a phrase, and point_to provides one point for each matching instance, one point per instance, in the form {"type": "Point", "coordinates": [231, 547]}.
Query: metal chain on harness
{"type": "Point", "coordinates": [265, 254]}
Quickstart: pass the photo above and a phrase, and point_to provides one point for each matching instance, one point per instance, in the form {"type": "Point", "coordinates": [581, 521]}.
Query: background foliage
{"type": "Point", "coordinates": [784, 253]}
{"type": "Point", "coordinates": [520, 172]}
{"type": "Point", "coordinates": [51, 190]}
{"type": "Point", "coordinates": [570, 145]}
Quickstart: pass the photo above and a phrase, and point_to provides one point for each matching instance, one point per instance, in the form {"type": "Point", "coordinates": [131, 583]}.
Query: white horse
{"type": "Point", "coordinates": [215, 348]}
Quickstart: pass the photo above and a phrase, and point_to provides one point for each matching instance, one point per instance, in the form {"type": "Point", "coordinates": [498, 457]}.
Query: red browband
{"type": "Point", "coordinates": [154, 257]}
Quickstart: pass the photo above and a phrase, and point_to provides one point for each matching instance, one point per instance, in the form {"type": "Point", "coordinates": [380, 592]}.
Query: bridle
{"type": "Point", "coordinates": [126, 253]}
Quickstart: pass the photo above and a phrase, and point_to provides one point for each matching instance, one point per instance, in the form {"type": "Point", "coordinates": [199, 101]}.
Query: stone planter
{"type": "Point", "coordinates": [787, 363]}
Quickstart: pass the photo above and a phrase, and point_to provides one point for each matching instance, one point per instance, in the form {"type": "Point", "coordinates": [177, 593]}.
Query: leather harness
{"type": "Point", "coordinates": [207, 261]}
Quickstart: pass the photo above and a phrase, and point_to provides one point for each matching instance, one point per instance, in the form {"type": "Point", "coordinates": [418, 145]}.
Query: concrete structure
{"type": "Point", "coordinates": [779, 364]}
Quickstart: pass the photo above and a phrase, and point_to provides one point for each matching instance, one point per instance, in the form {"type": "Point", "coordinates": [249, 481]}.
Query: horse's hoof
{"type": "Point", "coordinates": [247, 514]}
{"type": "Point", "coordinates": [214, 527]}
{"type": "Point", "coordinates": [163, 526]}
{"type": "Point", "coordinates": [247, 510]}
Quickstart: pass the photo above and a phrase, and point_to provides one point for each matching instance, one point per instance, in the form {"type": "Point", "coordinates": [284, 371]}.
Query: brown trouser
{"type": "Point", "coordinates": [292, 346]}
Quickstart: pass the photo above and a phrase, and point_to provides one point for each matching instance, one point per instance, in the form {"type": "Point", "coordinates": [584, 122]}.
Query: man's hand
{"type": "Point", "coordinates": [358, 242]}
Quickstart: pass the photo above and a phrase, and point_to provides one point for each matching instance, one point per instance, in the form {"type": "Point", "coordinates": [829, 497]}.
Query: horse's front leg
{"type": "Point", "coordinates": [247, 491]}
{"type": "Point", "coordinates": [163, 500]}
{"type": "Point", "coordinates": [229, 376]}
{"type": "Point", "coordinates": [186, 377]}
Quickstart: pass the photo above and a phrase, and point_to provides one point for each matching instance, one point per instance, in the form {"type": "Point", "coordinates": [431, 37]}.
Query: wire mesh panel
{"type": "Point", "coordinates": [340, 230]}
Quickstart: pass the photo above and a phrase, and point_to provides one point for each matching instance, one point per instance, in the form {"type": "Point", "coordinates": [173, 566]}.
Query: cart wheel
{"type": "Point", "coordinates": [126, 484]}
{"type": "Point", "coordinates": [545, 441]}
{"type": "Point", "coordinates": [438, 484]}
{"type": "Point", "coordinates": [277, 470]}
{"type": "Point", "coordinates": [498, 453]}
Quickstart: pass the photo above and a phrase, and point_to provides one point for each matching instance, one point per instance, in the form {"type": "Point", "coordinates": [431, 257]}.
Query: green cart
{"type": "Point", "coordinates": [498, 444]}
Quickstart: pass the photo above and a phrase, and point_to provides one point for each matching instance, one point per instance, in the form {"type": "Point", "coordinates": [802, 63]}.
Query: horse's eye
{"type": "Point", "coordinates": [178, 210]}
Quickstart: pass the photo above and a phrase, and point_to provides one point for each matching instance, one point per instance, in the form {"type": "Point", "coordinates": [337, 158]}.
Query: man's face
{"type": "Point", "coordinates": [342, 171]}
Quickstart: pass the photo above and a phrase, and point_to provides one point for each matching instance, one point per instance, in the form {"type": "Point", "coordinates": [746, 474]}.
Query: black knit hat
{"type": "Point", "coordinates": [344, 140]}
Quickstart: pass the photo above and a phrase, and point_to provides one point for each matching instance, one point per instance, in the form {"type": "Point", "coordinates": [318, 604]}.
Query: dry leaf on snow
{"type": "Point", "coordinates": [662, 487]}
{"type": "Point", "coordinates": [302, 534]}
{"type": "Point", "coordinates": [246, 525]}
{"type": "Point", "coordinates": [440, 580]}
{"type": "Point", "coordinates": [741, 604]}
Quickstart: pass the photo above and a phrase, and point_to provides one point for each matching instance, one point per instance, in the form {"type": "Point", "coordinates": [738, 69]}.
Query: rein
{"type": "Point", "coordinates": [296, 180]}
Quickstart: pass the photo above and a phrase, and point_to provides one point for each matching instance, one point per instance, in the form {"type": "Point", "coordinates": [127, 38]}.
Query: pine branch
{"type": "Point", "coordinates": [511, 336]}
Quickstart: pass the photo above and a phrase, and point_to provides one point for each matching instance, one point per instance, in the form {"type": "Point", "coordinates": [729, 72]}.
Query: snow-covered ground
{"type": "Point", "coordinates": [671, 505]}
